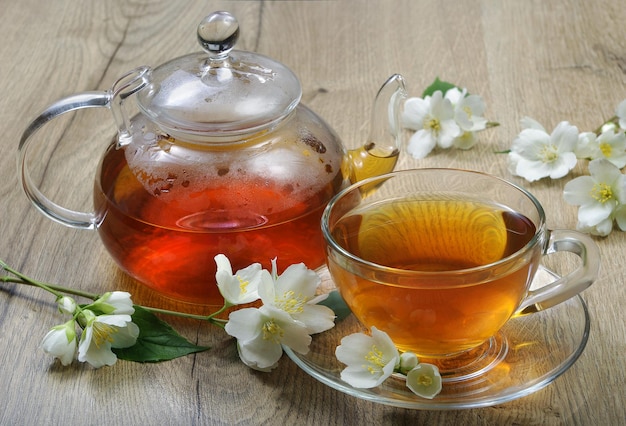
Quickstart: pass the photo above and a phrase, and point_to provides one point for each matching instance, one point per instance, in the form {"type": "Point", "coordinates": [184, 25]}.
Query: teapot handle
{"type": "Point", "coordinates": [111, 99]}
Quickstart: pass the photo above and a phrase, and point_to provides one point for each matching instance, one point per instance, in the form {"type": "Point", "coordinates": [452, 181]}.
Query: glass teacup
{"type": "Point", "coordinates": [441, 259]}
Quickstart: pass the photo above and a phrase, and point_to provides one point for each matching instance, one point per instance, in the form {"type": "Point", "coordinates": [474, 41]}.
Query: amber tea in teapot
{"type": "Point", "coordinates": [165, 231]}
{"type": "Point", "coordinates": [221, 158]}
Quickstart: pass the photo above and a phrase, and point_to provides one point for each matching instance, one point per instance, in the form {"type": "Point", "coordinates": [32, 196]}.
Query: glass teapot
{"type": "Point", "coordinates": [221, 158]}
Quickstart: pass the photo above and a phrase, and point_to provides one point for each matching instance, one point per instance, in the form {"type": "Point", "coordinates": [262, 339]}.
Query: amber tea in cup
{"type": "Point", "coordinates": [441, 259]}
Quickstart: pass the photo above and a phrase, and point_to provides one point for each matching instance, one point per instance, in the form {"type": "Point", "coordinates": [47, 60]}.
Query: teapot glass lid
{"type": "Point", "coordinates": [219, 91]}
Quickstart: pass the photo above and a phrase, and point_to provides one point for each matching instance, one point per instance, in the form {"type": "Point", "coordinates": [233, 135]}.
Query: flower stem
{"type": "Point", "coordinates": [58, 291]}
{"type": "Point", "coordinates": [178, 313]}
{"type": "Point", "coordinates": [54, 289]}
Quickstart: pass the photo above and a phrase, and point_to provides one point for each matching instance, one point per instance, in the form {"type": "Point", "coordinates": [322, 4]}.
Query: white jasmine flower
{"type": "Point", "coordinates": [241, 287]}
{"type": "Point", "coordinates": [103, 332]}
{"type": "Point", "coordinates": [294, 292]}
{"type": "Point", "coordinates": [261, 332]}
{"type": "Point", "coordinates": [433, 120]}
{"type": "Point", "coordinates": [60, 342]}
{"type": "Point", "coordinates": [598, 196]}
{"type": "Point", "coordinates": [424, 380]}
{"type": "Point", "coordinates": [621, 114]}
{"type": "Point", "coordinates": [468, 110]}
{"type": "Point", "coordinates": [370, 360]}
{"type": "Point", "coordinates": [610, 145]}
{"type": "Point", "coordinates": [113, 303]}
{"type": "Point", "coordinates": [66, 305]}
{"type": "Point", "coordinates": [535, 154]}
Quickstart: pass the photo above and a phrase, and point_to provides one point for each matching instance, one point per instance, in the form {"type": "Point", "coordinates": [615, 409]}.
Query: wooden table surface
{"type": "Point", "coordinates": [550, 60]}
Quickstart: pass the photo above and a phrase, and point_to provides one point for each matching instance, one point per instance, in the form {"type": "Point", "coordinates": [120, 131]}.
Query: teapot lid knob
{"type": "Point", "coordinates": [218, 34]}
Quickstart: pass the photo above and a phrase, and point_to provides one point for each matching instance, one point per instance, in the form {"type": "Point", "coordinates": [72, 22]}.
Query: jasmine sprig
{"type": "Point", "coordinates": [60, 291]}
{"type": "Point", "coordinates": [112, 327]}
{"type": "Point", "coordinates": [124, 330]}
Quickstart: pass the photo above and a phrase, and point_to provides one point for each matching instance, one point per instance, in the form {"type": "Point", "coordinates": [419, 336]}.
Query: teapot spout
{"type": "Point", "coordinates": [379, 154]}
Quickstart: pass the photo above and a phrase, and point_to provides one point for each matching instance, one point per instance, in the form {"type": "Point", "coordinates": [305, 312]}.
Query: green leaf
{"type": "Point", "coordinates": [157, 340]}
{"type": "Point", "coordinates": [443, 86]}
{"type": "Point", "coordinates": [335, 302]}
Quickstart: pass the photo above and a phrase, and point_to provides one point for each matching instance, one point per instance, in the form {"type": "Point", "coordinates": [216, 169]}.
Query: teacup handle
{"type": "Point", "coordinates": [570, 285]}
{"type": "Point", "coordinates": [112, 99]}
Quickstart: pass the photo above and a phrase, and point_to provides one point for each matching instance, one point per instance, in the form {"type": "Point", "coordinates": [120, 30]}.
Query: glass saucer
{"type": "Point", "coordinates": [539, 348]}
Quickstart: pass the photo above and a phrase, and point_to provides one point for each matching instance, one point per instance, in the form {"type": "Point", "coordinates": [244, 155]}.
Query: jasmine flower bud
{"type": "Point", "coordinates": [66, 305]}
{"type": "Point", "coordinates": [408, 361]}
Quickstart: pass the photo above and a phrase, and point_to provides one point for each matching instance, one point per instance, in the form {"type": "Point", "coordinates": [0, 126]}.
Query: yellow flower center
{"type": "Point", "coordinates": [433, 124]}
{"type": "Point", "coordinates": [602, 192]}
{"type": "Point", "coordinates": [375, 359]}
{"type": "Point", "coordinates": [548, 153]}
{"type": "Point", "coordinates": [606, 149]}
{"type": "Point", "coordinates": [272, 331]}
{"type": "Point", "coordinates": [291, 303]}
{"type": "Point", "coordinates": [425, 380]}
{"type": "Point", "coordinates": [243, 284]}
{"type": "Point", "coordinates": [103, 333]}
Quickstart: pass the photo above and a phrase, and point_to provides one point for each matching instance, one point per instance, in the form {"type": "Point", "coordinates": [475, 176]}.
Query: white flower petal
{"type": "Point", "coordinates": [532, 170]}
{"type": "Point", "coordinates": [565, 137]}
{"type": "Point", "coordinates": [592, 214]}
{"type": "Point", "coordinates": [244, 324]}
{"type": "Point", "coordinates": [621, 113]}
{"type": "Point", "coordinates": [578, 190]}
{"type": "Point", "coordinates": [316, 318]}
{"type": "Point", "coordinates": [620, 217]}
{"type": "Point", "coordinates": [530, 123]}
{"type": "Point", "coordinates": [415, 109]}
{"type": "Point", "coordinates": [602, 229]}
{"type": "Point", "coordinates": [261, 357]}
{"type": "Point", "coordinates": [529, 144]}
{"type": "Point", "coordinates": [421, 144]}
{"type": "Point", "coordinates": [352, 348]}
{"type": "Point", "coordinates": [465, 141]}
{"type": "Point", "coordinates": [223, 264]}
{"type": "Point", "coordinates": [298, 279]}
{"type": "Point", "coordinates": [261, 353]}
{"type": "Point", "coordinates": [603, 170]}
{"type": "Point", "coordinates": [454, 95]}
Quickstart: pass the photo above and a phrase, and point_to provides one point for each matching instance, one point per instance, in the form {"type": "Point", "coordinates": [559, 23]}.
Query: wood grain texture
{"type": "Point", "coordinates": [553, 61]}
